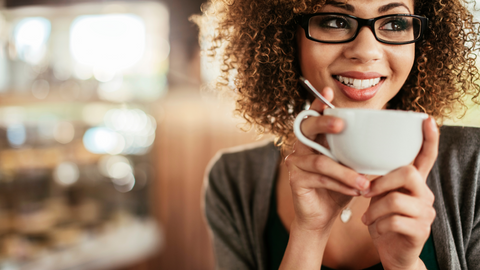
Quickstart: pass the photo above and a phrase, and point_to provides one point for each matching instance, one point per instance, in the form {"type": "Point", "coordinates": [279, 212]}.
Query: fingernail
{"type": "Point", "coordinates": [365, 192]}
{"type": "Point", "coordinates": [331, 122]}
{"type": "Point", "coordinates": [362, 182]}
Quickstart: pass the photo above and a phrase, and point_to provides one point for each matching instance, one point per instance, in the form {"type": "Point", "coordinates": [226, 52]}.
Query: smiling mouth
{"type": "Point", "coordinates": [358, 83]}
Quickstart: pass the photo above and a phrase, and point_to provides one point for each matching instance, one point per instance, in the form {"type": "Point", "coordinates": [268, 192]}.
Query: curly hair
{"type": "Point", "coordinates": [256, 39]}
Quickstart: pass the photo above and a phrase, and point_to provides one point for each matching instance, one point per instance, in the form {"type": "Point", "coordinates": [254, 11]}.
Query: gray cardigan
{"type": "Point", "coordinates": [239, 183]}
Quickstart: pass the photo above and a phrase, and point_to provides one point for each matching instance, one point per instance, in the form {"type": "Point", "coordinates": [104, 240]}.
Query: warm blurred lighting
{"type": "Point", "coordinates": [82, 72]}
{"type": "Point", "coordinates": [70, 90]}
{"type": "Point", "coordinates": [107, 165]}
{"type": "Point", "coordinates": [107, 43]}
{"type": "Point", "coordinates": [137, 127]}
{"type": "Point", "coordinates": [150, 88]}
{"type": "Point", "coordinates": [102, 140]}
{"type": "Point", "coordinates": [64, 132]}
{"type": "Point", "coordinates": [103, 73]}
{"type": "Point", "coordinates": [16, 134]}
{"type": "Point", "coordinates": [163, 49]}
{"type": "Point", "coordinates": [31, 35]}
{"type": "Point", "coordinates": [125, 184]}
{"type": "Point", "coordinates": [46, 126]}
{"type": "Point", "coordinates": [126, 131]}
{"type": "Point", "coordinates": [66, 173]}
{"type": "Point", "coordinates": [13, 118]}
{"type": "Point", "coordinates": [62, 70]}
{"type": "Point", "coordinates": [93, 113]}
{"type": "Point", "coordinates": [40, 89]}
{"type": "Point", "coordinates": [77, 82]}
{"type": "Point", "coordinates": [126, 120]}
{"type": "Point", "coordinates": [119, 170]}
{"type": "Point", "coordinates": [114, 90]}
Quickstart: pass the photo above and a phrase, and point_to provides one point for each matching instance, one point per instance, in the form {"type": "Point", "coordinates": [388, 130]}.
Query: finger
{"type": "Point", "coordinates": [320, 164]}
{"type": "Point", "coordinates": [312, 126]}
{"type": "Point", "coordinates": [317, 104]}
{"type": "Point", "coordinates": [410, 227]}
{"type": "Point", "coordinates": [395, 203]}
{"type": "Point", "coordinates": [302, 182]}
{"type": "Point", "coordinates": [428, 154]}
{"type": "Point", "coordinates": [300, 149]}
{"type": "Point", "coordinates": [406, 177]}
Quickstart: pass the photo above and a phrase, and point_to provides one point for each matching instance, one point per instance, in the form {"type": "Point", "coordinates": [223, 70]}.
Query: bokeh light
{"type": "Point", "coordinates": [64, 132]}
{"type": "Point", "coordinates": [126, 131]}
{"type": "Point", "coordinates": [93, 113]}
{"type": "Point", "coordinates": [137, 127]}
{"type": "Point", "coordinates": [31, 36]}
{"type": "Point", "coordinates": [46, 126]}
{"type": "Point", "coordinates": [119, 169]}
{"type": "Point", "coordinates": [107, 43]}
{"type": "Point", "coordinates": [125, 184]}
{"type": "Point", "coordinates": [40, 89]}
{"type": "Point", "coordinates": [66, 173]}
{"type": "Point", "coordinates": [16, 134]}
{"type": "Point", "coordinates": [102, 140]}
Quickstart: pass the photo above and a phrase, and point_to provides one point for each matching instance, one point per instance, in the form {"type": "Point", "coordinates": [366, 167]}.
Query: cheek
{"type": "Point", "coordinates": [315, 56]}
{"type": "Point", "coordinates": [403, 60]}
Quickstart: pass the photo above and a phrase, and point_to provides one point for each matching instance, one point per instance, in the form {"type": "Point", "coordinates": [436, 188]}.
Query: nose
{"type": "Point", "coordinates": [364, 48]}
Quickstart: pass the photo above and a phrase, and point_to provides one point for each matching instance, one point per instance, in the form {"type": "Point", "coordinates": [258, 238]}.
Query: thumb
{"type": "Point", "coordinates": [428, 154]}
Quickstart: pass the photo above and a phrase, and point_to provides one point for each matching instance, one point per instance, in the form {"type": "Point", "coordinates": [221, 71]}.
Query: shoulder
{"type": "Point", "coordinates": [242, 163]}
{"type": "Point", "coordinates": [235, 201]}
{"type": "Point", "coordinates": [455, 181]}
{"type": "Point", "coordinates": [459, 143]}
{"type": "Point", "coordinates": [247, 151]}
{"type": "Point", "coordinates": [458, 161]}
{"type": "Point", "coordinates": [459, 136]}
{"type": "Point", "coordinates": [238, 182]}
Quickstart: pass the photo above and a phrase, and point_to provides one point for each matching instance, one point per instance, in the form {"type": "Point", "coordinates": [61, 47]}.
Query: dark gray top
{"type": "Point", "coordinates": [239, 183]}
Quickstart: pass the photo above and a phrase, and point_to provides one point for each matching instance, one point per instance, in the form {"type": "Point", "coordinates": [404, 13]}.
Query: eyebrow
{"type": "Point", "coordinates": [341, 5]}
{"type": "Point", "coordinates": [387, 7]}
{"type": "Point", "coordinates": [381, 9]}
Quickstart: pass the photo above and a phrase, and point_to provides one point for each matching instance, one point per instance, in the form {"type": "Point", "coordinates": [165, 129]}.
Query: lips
{"type": "Point", "coordinates": [359, 86]}
{"type": "Point", "coordinates": [358, 83]}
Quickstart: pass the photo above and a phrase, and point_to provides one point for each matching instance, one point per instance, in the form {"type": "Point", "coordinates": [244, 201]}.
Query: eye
{"type": "Point", "coordinates": [334, 23]}
{"type": "Point", "coordinates": [395, 24]}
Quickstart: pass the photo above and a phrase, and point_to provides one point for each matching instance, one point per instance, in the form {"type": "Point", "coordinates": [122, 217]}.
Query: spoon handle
{"type": "Point", "coordinates": [305, 83]}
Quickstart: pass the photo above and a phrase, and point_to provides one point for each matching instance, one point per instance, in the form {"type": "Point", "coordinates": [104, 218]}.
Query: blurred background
{"type": "Point", "coordinates": [105, 132]}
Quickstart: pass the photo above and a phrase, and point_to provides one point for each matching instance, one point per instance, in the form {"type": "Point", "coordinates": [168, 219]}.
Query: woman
{"type": "Point", "coordinates": [307, 211]}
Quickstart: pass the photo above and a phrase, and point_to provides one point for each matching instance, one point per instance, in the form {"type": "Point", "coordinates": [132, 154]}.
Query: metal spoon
{"type": "Point", "coordinates": [305, 83]}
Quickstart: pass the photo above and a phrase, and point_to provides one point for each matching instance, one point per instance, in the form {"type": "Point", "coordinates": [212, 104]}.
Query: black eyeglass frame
{"type": "Point", "coordinates": [370, 23]}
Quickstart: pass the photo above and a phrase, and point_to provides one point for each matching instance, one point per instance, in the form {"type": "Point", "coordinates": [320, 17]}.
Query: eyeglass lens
{"type": "Point", "coordinates": [337, 28]}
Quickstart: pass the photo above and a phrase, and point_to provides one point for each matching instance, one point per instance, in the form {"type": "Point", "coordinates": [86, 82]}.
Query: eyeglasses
{"type": "Point", "coordinates": [341, 28]}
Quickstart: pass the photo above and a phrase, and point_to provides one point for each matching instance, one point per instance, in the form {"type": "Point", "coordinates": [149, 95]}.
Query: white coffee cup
{"type": "Point", "coordinates": [372, 142]}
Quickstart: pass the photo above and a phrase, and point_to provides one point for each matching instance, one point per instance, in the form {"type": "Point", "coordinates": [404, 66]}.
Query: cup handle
{"type": "Point", "coordinates": [296, 129]}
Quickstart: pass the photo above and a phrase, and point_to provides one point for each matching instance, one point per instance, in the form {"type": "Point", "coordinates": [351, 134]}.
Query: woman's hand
{"type": "Point", "coordinates": [321, 187]}
{"type": "Point", "coordinates": [401, 209]}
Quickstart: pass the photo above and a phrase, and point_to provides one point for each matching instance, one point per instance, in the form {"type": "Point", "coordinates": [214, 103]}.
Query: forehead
{"type": "Point", "coordinates": [381, 5]}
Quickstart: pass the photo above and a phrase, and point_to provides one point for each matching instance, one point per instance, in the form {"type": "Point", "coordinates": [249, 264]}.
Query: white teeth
{"type": "Point", "coordinates": [357, 83]}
